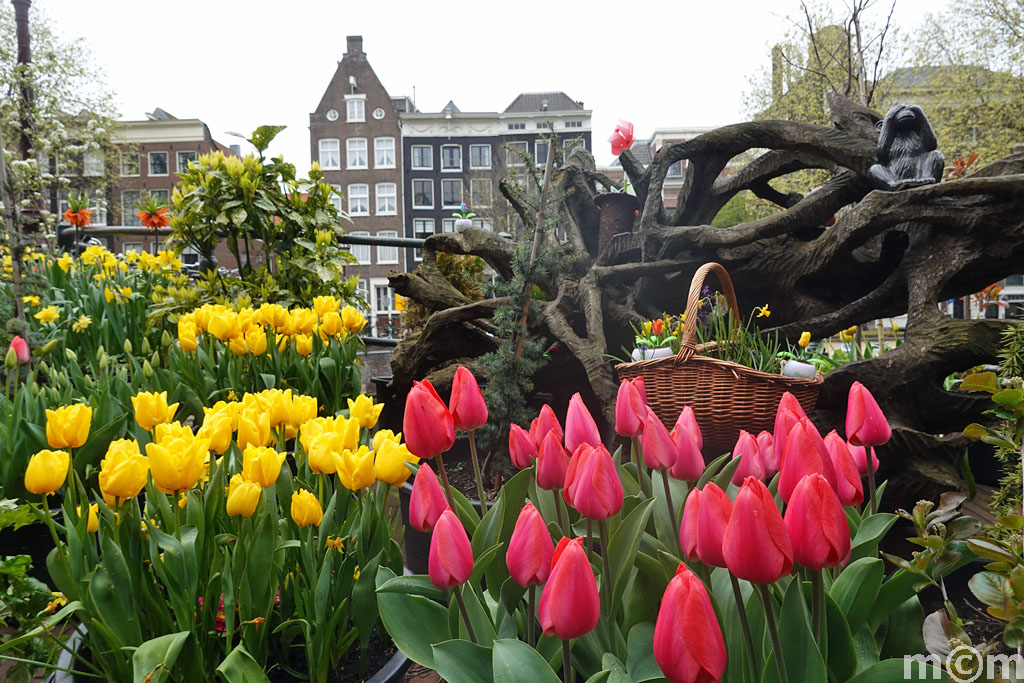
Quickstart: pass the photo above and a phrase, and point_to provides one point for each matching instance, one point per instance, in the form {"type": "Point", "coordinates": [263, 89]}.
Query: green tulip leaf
{"type": "Point", "coordinates": [640, 661]}
{"type": "Point", "coordinates": [412, 621]}
{"type": "Point", "coordinates": [514, 661]}
{"type": "Point", "coordinates": [870, 532]}
{"type": "Point", "coordinates": [906, 630]}
{"type": "Point", "coordinates": [240, 667]}
{"type": "Point", "coordinates": [460, 661]}
{"type": "Point", "coordinates": [799, 651]}
{"type": "Point", "coordinates": [154, 660]}
{"type": "Point", "coordinates": [892, 670]}
{"type": "Point", "coordinates": [416, 584]}
{"type": "Point", "coordinates": [855, 589]}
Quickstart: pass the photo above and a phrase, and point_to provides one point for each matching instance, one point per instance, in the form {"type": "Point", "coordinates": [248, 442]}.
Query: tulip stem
{"type": "Point", "coordinates": [773, 630]}
{"type": "Point", "coordinates": [590, 541]}
{"type": "Point", "coordinates": [606, 577]}
{"type": "Point", "coordinates": [818, 605]}
{"type": "Point", "coordinates": [447, 487]}
{"type": "Point", "coordinates": [671, 507]}
{"type": "Point", "coordinates": [49, 522]}
{"type": "Point", "coordinates": [465, 613]}
{"type": "Point", "coordinates": [870, 456]}
{"type": "Point", "coordinates": [566, 662]}
{"type": "Point", "coordinates": [479, 476]}
{"type": "Point", "coordinates": [558, 512]}
{"type": "Point", "coordinates": [748, 640]}
{"type": "Point", "coordinates": [531, 616]}
{"type": "Point", "coordinates": [641, 473]}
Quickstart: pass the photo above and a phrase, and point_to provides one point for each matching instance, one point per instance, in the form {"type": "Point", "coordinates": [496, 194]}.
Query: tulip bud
{"type": "Point", "coordinates": [71, 355]}
{"type": "Point", "coordinates": [33, 388]}
{"type": "Point", "coordinates": [128, 346]}
{"type": "Point", "coordinates": [146, 348]}
{"type": "Point", "coordinates": [427, 501]}
{"type": "Point", "coordinates": [104, 363]}
{"type": "Point", "coordinates": [530, 548]}
{"type": "Point", "coordinates": [631, 408]}
{"type": "Point", "coordinates": [592, 484]}
{"type": "Point", "coordinates": [569, 605]}
{"type": "Point", "coordinates": [100, 350]}
{"type": "Point", "coordinates": [865, 423]}
{"type": "Point", "coordinates": [860, 457]}
{"type": "Point", "coordinates": [712, 520]}
{"type": "Point", "coordinates": [87, 382]}
{"type": "Point", "coordinates": [848, 485]}
{"type": "Point", "coordinates": [544, 423]}
{"type": "Point", "coordinates": [769, 456]}
{"type": "Point", "coordinates": [658, 447]}
{"type": "Point", "coordinates": [750, 459]}
{"type": "Point", "coordinates": [155, 359]}
{"type": "Point", "coordinates": [552, 463]}
{"type": "Point", "coordinates": [817, 525]}
{"type": "Point", "coordinates": [689, 463]}
{"type": "Point", "coordinates": [93, 524]}
{"type": "Point", "coordinates": [755, 545]}
{"type": "Point", "coordinates": [165, 339]}
{"type": "Point", "coordinates": [805, 454]}
{"type": "Point", "coordinates": [579, 425]}
{"type": "Point", "coordinates": [48, 347]}
{"type": "Point", "coordinates": [451, 557]}
{"type": "Point", "coordinates": [687, 421]}
{"type": "Point", "coordinates": [44, 367]}
{"type": "Point", "coordinates": [147, 370]}
{"type": "Point", "coordinates": [428, 426]}
{"type": "Point", "coordinates": [521, 447]}
{"type": "Point", "coordinates": [469, 411]}
{"type": "Point", "coordinates": [688, 643]}
{"type": "Point", "coordinates": [11, 359]}
{"type": "Point", "coordinates": [20, 353]}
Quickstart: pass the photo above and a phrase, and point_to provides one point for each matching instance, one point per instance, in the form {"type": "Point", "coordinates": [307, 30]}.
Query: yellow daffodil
{"type": "Point", "coordinates": [31, 300]}
{"type": "Point", "coordinates": [65, 262]}
{"type": "Point", "coordinates": [261, 465]}
{"type": "Point", "coordinates": [763, 312]}
{"type": "Point", "coordinates": [364, 411]}
{"type": "Point", "coordinates": [123, 471]}
{"type": "Point", "coordinates": [243, 497]}
{"type": "Point", "coordinates": [305, 509]}
{"type": "Point", "coordinates": [82, 324]}
{"type": "Point", "coordinates": [151, 409]}
{"type": "Point", "coordinates": [47, 471]}
{"type": "Point", "coordinates": [48, 314]}
{"type": "Point", "coordinates": [389, 462]}
{"type": "Point", "coordinates": [68, 427]}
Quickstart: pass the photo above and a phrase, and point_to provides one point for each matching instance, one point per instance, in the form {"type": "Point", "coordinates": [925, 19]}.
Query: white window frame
{"type": "Point", "coordinates": [355, 114]}
{"type": "Point", "coordinates": [357, 191]}
{"type": "Point", "coordinates": [447, 225]}
{"type": "Point", "coordinates": [358, 250]}
{"type": "Point", "coordinates": [363, 288]}
{"type": "Point", "coordinates": [338, 199]}
{"type": "Point", "coordinates": [472, 193]}
{"type": "Point", "coordinates": [182, 167]}
{"type": "Point", "coordinates": [128, 216]}
{"type": "Point", "coordinates": [432, 196]}
{"type": "Point", "coordinates": [92, 163]}
{"type": "Point", "coordinates": [351, 147]}
{"type": "Point", "coordinates": [421, 229]}
{"type": "Point", "coordinates": [573, 124]}
{"type": "Point", "coordinates": [679, 165]}
{"type": "Point", "coordinates": [386, 191]}
{"type": "Point", "coordinates": [517, 126]}
{"type": "Point", "coordinates": [387, 255]}
{"type": "Point", "coordinates": [537, 144]}
{"type": "Point", "coordinates": [189, 256]}
{"type": "Point", "coordinates": [451, 169]}
{"type": "Point", "coordinates": [482, 167]}
{"type": "Point", "coordinates": [127, 247]}
{"type": "Point", "coordinates": [568, 148]}
{"type": "Point", "coordinates": [165, 194]}
{"type": "Point", "coordinates": [149, 164]}
{"type": "Point", "coordinates": [462, 193]}
{"type": "Point", "coordinates": [326, 163]}
{"type": "Point", "coordinates": [430, 152]}
{"type": "Point", "coordinates": [138, 165]}
{"type": "Point", "coordinates": [483, 223]}
{"type": "Point", "coordinates": [513, 160]}
{"type": "Point", "coordinates": [377, 150]}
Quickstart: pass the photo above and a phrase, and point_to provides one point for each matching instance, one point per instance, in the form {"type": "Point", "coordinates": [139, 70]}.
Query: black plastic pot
{"type": "Point", "coordinates": [33, 540]}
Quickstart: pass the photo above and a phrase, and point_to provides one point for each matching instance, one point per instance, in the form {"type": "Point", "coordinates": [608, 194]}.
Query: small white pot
{"type": "Point", "coordinates": [463, 223]}
{"type": "Point", "coordinates": [649, 354]}
{"type": "Point", "coordinates": [798, 368]}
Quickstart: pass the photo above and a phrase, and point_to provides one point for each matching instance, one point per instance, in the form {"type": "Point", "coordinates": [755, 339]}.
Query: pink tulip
{"type": "Point", "coordinates": [570, 605]}
{"type": "Point", "coordinates": [750, 458]}
{"type": "Point", "coordinates": [688, 643]}
{"type": "Point", "coordinates": [21, 351]}
{"type": "Point", "coordinates": [658, 446]}
{"type": "Point", "coordinates": [817, 525]}
{"type": "Point", "coordinates": [428, 426]}
{"type": "Point", "coordinates": [705, 518]}
{"type": "Point", "coordinates": [688, 526]}
{"type": "Point", "coordinates": [545, 422]}
{"type": "Point", "coordinates": [803, 457]}
{"type": "Point", "coordinates": [688, 421]}
{"type": "Point", "coordinates": [865, 423]}
{"type": "Point", "coordinates": [784, 421]}
{"type": "Point", "coordinates": [529, 549]}
{"type": "Point", "coordinates": [689, 463]}
{"type": "Point", "coordinates": [521, 447]}
{"type": "Point", "coordinates": [630, 407]}
{"type": "Point", "coordinates": [427, 502]}
{"type": "Point", "coordinates": [451, 556]}
{"type": "Point", "coordinates": [579, 425]}
{"type": "Point", "coordinates": [848, 484]}
{"type": "Point", "coordinates": [756, 546]}
{"type": "Point", "coordinates": [468, 409]}
{"type": "Point", "coordinates": [552, 463]}
{"type": "Point", "coordinates": [622, 137]}
{"type": "Point", "coordinates": [861, 459]}
{"type": "Point", "coordinates": [769, 456]}
{"type": "Point", "coordinates": [789, 402]}
{"type": "Point", "coordinates": [592, 485]}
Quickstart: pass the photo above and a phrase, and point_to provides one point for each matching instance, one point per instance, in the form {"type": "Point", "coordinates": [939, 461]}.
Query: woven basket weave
{"type": "Point", "coordinates": [726, 397]}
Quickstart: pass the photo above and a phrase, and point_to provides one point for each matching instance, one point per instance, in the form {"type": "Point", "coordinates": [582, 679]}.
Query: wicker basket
{"type": "Point", "coordinates": [726, 397]}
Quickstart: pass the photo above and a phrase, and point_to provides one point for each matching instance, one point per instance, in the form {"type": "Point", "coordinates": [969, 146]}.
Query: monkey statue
{"type": "Point", "coordinates": [907, 153]}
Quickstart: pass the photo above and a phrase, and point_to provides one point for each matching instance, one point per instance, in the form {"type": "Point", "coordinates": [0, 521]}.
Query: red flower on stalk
{"type": "Point", "coordinates": [622, 137]}
{"type": "Point", "coordinates": [688, 643]}
{"type": "Point", "coordinates": [154, 220]}
{"type": "Point", "coordinates": [78, 219]}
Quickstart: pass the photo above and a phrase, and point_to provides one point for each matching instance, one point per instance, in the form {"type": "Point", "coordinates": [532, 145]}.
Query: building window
{"type": "Point", "coordinates": [129, 164]}
{"type": "Point", "coordinates": [422, 158]}
{"type": "Point", "coordinates": [384, 152]}
{"type": "Point", "coordinates": [92, 163]}
{"type": "Point", "coordinates": [386, 254]}
{"type": "Point", "coordinates": [517, 126]}
{"type": "Point", "coordinates": [541, 152]}
{"type": "Point", "coordinates": [387, 202]}
{"type": "Point", "coordinates": [359, 200]}
{"type": "Point", "coordinates": [129, 198]}
{"type": "Point", "coordinates": [515, 153]}
{"type": "Point", "coordinates": [363, 290]}
{"type": "Point", "coordinates": [570, 146]}
{"type": "Point", "coordinates": [451, 157]}
{"type": "Point", "coordinates": [447, 225]}
{"type": "Point", "coordinates": [676, 170]}
{"type": "Point", "coordinates": [480, 193]}
{"type": "Point", "coordinates": [573, 124]}
{"type": "Point", "coordinates": [356, 110]}
{"type": "Point", "coordinates": [356, 148]}
{"type": "Point", "coordinates": [336, 199]}
{"type": "Point", "coordinates": [384, 299]}
{"type": "Point", "coordinates": [129, 247]}
{"type": "Point", "coordinates": [361, 251]}
{"type": "Point", "coordinates": [161, 196]}
{"type": "Point", "coordinates": [330, 154]}
{"type": "Point", "coordinates": [451, 193]}
{"type": "Point", "coordinates": [482, 223]}
{"type": "Point", "coordinates": [158, 163]}
{"type": "Point", "coordinates": [423, 194]}
{"type": "Point", "coordinates": [189, 156]}
{"type": "Point", "coordinates": [422, 229]}
{"type": "Point", "coordinates": [479, 156]}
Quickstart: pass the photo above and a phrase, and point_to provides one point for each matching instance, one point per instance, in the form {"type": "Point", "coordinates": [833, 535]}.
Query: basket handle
{"type": "Point", "coordinates": [687, 346]}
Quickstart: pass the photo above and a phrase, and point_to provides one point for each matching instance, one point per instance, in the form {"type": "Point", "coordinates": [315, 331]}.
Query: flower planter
{"type": "Point", "coordinates": [650, 354]}
{"type": "Point", "coordinates": [799, 368]}
{"type": "Point", "coordinates": [463, 223]}
{"type": "Point", "coordinates": [33, 540]}
{"type": "Point", "coordinates": [618, 210]}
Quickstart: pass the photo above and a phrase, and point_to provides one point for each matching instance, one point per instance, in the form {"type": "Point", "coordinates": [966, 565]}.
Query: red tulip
{"type": "Point", "coordinates": [790, 402]}
{"type": "Point", "coordinates": [784, 421]}
{"type": "Point", "coordinates": [20, 347]}
{"type": "Point", "coordinates": [688, 421]}
{"type": "Point", "coordinates": [468, 409]}
{"type": "Point", "coordinates": [802, 457]}
{"type": "Point", "coordinates": [848, 484]}
{"type": "Point", "coordinates": [657, 326]}
{"type": "Point", "coordinates": [688, 526]}
{"type": "Point", "coordinates": [579, 425]}
{"type": "Point", "coordinates": [622, 137]}
{"type": "Point", "coordinates": [688, 643]}
{"type": "Point", "coordinates": [552, 463]}
{"type": "Point", "coordinates": [569, 606]}
{"type": "Point", "coordinates": [689, 463]}
{"type": "Point", "coordinates": [521, 447]}
{"type": "Point", "coordinates": [705, 517]}
{"type": "Point", "coordinates": [865, 423]}
{"type": "Point", "coordinates": [530, 549]}
{"type": "Point", "coordinates": [861, 459]}
{"type": "Point", "coordinates": [750, 458]}
{"type": "Point", "coordinates": [451, 556]}
{"type": "Point", "coordinates": [592, 485]}
{"type": "Point", "coordinates": [756, 546]}
{"type": "Point", "coordinates": [817, 525]}
{"type": "Point", "coordinates": [427, 501]}
{"type": "Point", "coordinates": [658, 446]}
{"type": "Point", "coordinates": [428, 426]}
{"type": "Point", "coordinates": [544, 423]}
{"type": "Point", "coordinates": [769, 456]}
{"type": "Point", "coordinates": [631, 407]}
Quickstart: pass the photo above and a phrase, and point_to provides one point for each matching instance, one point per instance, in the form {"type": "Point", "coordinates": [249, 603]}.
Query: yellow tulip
{"type": "Point", "coordinates": [302, 320]}
{"type": "Point", "coordinates": [330, 326]}
{"type": "Point", "coordinates": [385, 435]}
{"type": "Point", "coordinates": [256, 340]}
{"type": "Point", "coordinates": [303, 410]}
{"type": "Point", "coordinates": [261, 465]}
{"type": "Point", "coordinates": [229, 408]}
{"type": "Point", "coordinates": [389, 463]}
{"type": "Point", "coordinates": [254, 428]}
{"type": "Point", "coordinates": [247, 320]}
{"type": "Point", "coordinates": [364, 411]}
{"type": "Point", "coordinates": [352, 319]}
{"type": "Point", "coordinates": [325, 304]}
{"type": "Point", "coordinates": [169, 431]}
{"type": "Point", "coordinates": [93, 525]}
{"type": "Point", "coordinates": [47, 471]}
{"type": "Point", "coordinates": [355, 471]}
{"type": "Point", "coordinates": [243, 497]}
{"type": "Point", "coordinates": [349, 432]}
{"type": "Point", "coordinates": [238, 346]}
{"type": "Point", "coordinates": [306, 508]}
{"type": "Point", "coordinates": [805, 339]}
{"type": "Point", "coordinates": [303, 344]}
{"type": "Point", "coordinates": [68, 427]}
{"type": "Point", "coordinates": [123, 470]}
{"type": "Point", "coordinates": [324, 454]}
{"type": "Point", "coordinates": [313, 428]}
{"type": "Point", "coordinates": [272, 314]}
{"type": "Point", "coordinates": [225, 325]}
{"type": "Point", "coordinates": [177, 464]}
{"type": "Point", "coordinates": [217, 427]}
{"type": "Point", "coordinates": [151, 409]}
{"type": "Point", "coordinates": [852, 330]}
{"type": "Point", "coordinates": [187, 336]}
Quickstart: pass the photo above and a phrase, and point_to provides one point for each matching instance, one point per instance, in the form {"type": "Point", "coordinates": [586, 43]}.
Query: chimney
{"type": "Point", "coordinates": [237, 149]}
{"type": "Point", "coordinates": [355, 45]}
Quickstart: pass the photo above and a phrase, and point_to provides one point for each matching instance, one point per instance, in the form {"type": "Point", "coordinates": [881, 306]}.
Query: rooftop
{"type": "Point", "coordinates": [529, 102]}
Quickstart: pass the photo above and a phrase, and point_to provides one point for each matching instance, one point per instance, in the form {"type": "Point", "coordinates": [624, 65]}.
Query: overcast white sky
{"type": "Point", "coordinates": [237, 65]}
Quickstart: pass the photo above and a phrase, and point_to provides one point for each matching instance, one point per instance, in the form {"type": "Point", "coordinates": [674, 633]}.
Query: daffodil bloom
{"type": "Point", "coordinates": [65, 262]}
{"type": "Point", "coordinates": [305, 509]}
{"type": "Point", "coordinates": [47, 471]}
{"type": "Point", "coordinates": [151, 409]}
{"type": "Point", "coordinates": [805, 339]}
{"type": "Point", "coordinates": [48, 314]}
{"type": "Point", "coordinates": [31, 300]}
{"type": "Point", "coordinates": [243, 497]}
{"type": "Point", "coordinates": [82, 324]}
{"type": "Point", "coordinates": [364, 411]}
{"type": "Point", "coordinates": [68, 426]}
{"type": "Point", "coordinates": [763, 312]}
